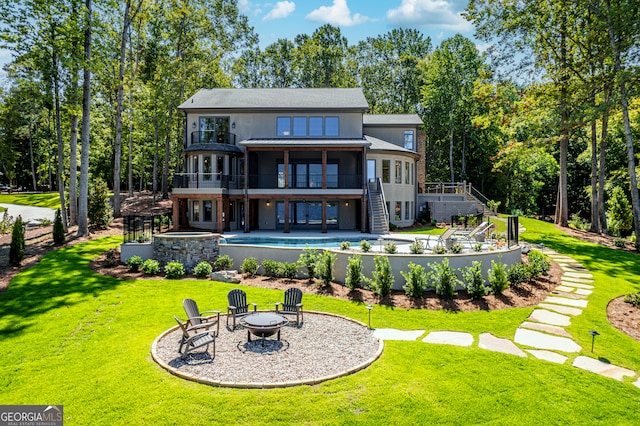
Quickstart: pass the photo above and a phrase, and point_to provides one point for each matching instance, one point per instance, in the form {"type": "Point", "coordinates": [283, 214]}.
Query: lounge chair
{"type": "Point", "coordinates": [238, 306]}
{"type": "Point", "coordinates": [191, 340]}
{"type": "Point", "coordinates": [197, 320]}
{"type": "Point", "coordinates": [474, 235]}
{"type": "Point", "coordinates": [292, 305]}
{"type": "Point", "coordinates": [444, 239]}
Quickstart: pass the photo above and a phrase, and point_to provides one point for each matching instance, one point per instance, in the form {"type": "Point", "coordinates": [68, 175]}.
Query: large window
{"type": "Point", "coordinates": [406, 173]}
{"type": "Point", "coordinates": [308, 126]}
{"type": "Point", "coordinates": [299, 126]}
{"type": "Point", "coordinates": [398, 215]}
{"type": "Point", "coordinates": [196, 211]}
{"type": "Point", "coordinates": [284, 126]}
{"type": "Point", "coordinates": [332, 126]}
{"type": "Point", "coordinates": [214, 130]}
{"type": "Point", "coordinates": [315, 126]}
{"type": "Point", "coordinates": [308, 175]}
{"type": "Point", "coordinates": [208, 210]}
{"type": "Point", "coordinates": [398, 171]}
{"type": "Point", "coordinates": [386, 173]}
{"type": "Point", "coordinates": [408, 139]}
{"type": "Point", "coordinates": [407, 209]}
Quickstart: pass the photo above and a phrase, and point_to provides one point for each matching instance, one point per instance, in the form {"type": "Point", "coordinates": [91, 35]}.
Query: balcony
{"type": "Point", "coordinates": [310, 182]}
{"type": "Point", "coordinates": [207, 181]}
{"type": "Point", "coordinates": [212, 136]}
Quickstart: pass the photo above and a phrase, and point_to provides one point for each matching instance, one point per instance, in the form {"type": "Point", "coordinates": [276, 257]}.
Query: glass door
{"type": "Point", "coordinates": [371, 170]}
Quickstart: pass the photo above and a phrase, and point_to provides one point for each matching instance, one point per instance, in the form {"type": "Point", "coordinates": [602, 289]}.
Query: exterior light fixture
{"type": "Point", "coordinates": [268, 203]}
{"type": "Point", "coordinates": [233, 125]}
{"type": "Point", "coordinates": [593, 334]}
{"type": "Point", "coordinates": [346, 203]}
{"type": "Point", "coordinates": [369, 308]}
{"type": "Point", "coordinates": [194, 125]}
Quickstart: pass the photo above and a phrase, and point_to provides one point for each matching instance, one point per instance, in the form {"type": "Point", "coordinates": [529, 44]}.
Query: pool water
{"type": "Point", "coordinates": [301, 242]}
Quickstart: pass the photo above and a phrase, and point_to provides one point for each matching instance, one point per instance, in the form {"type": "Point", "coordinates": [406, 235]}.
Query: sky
{"type": "Point", "coordinates": [357, 19]}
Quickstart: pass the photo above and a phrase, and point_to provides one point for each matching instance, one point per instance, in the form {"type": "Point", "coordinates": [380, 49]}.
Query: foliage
{"type": "Point", "coordinates": [99, 211]}
{"type": "Point", "coordinates": [16, 249]}
{"type": "Point", "coordinates": [390, 247]}
{"type": "Point", "coordinates": [222, 262]}
{"type": "Point", "coordinates": [271, 268]}
{"type": "Point", "coordinates": [249, 266]}
{"type": "Point", "coordinates": [202, 269]}
{"type": "Point", "coordinates": [619, 242]}
{"type": "Point", "coordinates": [134, 263]}
{"type": "Point", "coordinates": [576, 222]}
{"type": "Point", "coordinates": [382, 281]}
{"type": "Point", "coordinates": [365, 246]}
{"type": "Point", "coordinates": [518, 273]}
{"type": "Point", "coordinates": [473, 281]}
{"type": "Point", "coordinates": [345, 245]}
{"type": "Point", "coordinates": [392, 226]}
{"type": "Point", "coordinates": [150, 267]}
{"type": "Point", "coordinates": [174, 270]}
{"type": "Point", "coordinates": [443, 278]}
{"type": "Point", "coordinates": [308, 260]}
{"type": "Point", "coordinates": [633, 299]}
{"type": "Point", "coordinates": [456, 248]}
{"type": "Point", "coordinates": [619, 214]}
{"type": "Point", "coordinates": [354, 272]}
{"type": "Point", "coordinates": [112, 258]}
{"type": "Point", "coordinates": [416, 280]}
{"type": "Point", "coordinates": [325, 266]}
{"type": "Point", "coordinates": [417, 247]}
{"type": "Point", "coordinates": [289, 270]}
{"type": "Point", "coordinates": [498, 277]}
{"type": "Point", "coordinates": [477, 247]}
{"type": "Point", "coordinates": [538, 263]}
{"type": "Point", "coordinates": [439, 250]}
{"type": "Point", "coordinates": [6, 223]}
{"type": "Point", "coordinates": [58, 229]}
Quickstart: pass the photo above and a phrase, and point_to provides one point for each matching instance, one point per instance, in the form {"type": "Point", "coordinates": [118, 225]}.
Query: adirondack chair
{"type": "Point", "coordinates": [191, 340]}
{"type": "Point", "coordinates": [238, 306]}
{"type": "Point", "coordinates": [200, 320]}
{"type": "Point", "coordinates": [292, 305]}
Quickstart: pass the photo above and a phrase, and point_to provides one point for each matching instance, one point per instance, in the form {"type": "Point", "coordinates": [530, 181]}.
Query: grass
{"type": "Point", "coordinates": [49, 199]}
{"type": "Point", "coordinates": [69, 336]}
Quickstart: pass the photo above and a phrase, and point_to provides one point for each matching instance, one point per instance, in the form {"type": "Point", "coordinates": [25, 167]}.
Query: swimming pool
{"type": "Point", "coordinates": [328, 242]}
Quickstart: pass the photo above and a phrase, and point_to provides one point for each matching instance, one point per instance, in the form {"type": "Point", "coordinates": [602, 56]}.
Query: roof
{"type": "Point", "coordinates": [392, 119]}
{"type": "Point", "coordinates": [355, 143]}
{"type": "Point", "coordinates": [219, 147]}
{"type": "Point", "coordinates": [278, 99]}
{"type": "Point", "coordinates": [380, 145]}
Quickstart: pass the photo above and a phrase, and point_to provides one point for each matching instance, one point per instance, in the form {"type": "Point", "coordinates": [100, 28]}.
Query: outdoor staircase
{"type": "Point", "coordinates": [378, 215]}
{"type": "Point", "coordinates": [475, 196]}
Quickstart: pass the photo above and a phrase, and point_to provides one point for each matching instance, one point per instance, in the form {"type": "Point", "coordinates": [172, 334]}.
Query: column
{"type": "Point", "coordinates": [324, 214]}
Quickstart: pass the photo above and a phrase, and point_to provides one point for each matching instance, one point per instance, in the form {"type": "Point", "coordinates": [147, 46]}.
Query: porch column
{"type": "Point", "coordinates": [324, 177]}
{"type": "Point", "coordinates": [246, 211]}
{"type": "Point", "coordinates": [324, 215]}
{"type": "Point", "coordinates": [364, 213]}
{"type": "Point", "coordinates": [176, 213]}
{"type": "Point", "coordinates": [286, 173]}
{"type": "Point", "coordinates": [286, 215]}
{"type": "Point", "coordinates": [220, 210]}
{"type": "Point", "coordinates": [225, 214]}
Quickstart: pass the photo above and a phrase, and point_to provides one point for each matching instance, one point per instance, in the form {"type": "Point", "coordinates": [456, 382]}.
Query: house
{"type": "Point", "coordinates": [295, 159]}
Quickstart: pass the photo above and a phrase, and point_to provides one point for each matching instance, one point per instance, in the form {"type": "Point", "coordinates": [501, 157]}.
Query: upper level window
{"type": "Point", "coordinates": [408, 139]}
{"type": "Point", "coordinates": [332, 126]}
{"type": "Point", "coordinates": [386, 175]}
{"type": "Point", "coordinates": [315, 126]}
{"type": "Point", "coordinates": [299, 126]}
{"type": "Point", "coordinates": [284, 126]}
{"type": "Point", "coordinates": [398, 171]}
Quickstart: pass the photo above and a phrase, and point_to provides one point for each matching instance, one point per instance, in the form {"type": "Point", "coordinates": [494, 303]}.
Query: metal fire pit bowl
{"type": "Point", "coordinates": [263, 324]}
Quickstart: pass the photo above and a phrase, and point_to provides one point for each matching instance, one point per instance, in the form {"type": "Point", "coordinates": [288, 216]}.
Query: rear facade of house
{"type": "Point", "coordinates": [294, 160]}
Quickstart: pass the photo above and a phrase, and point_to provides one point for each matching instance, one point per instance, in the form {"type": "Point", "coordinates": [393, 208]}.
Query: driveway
{"type": "Point", "coordinates": [29, 213]}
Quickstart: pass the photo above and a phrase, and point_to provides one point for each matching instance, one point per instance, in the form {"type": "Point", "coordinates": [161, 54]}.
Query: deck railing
{"type": "Point", "coordinates": [211, 136]}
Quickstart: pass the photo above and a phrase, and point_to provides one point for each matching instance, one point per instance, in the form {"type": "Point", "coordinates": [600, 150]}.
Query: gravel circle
{"type": "Point", "coordinates": [324, 347]}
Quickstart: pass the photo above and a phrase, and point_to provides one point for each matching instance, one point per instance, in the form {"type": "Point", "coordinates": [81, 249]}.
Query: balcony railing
{"type": "Point", "coordinates": [211, 136]}
{"type": "Point", "coordinates": [207, 180]}
{"type": "Point", "coordinates": [271, 181]}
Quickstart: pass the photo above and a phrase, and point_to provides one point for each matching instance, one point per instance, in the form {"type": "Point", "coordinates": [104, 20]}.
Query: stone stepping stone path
{"type": "Point", "coordinates": [542, 334]}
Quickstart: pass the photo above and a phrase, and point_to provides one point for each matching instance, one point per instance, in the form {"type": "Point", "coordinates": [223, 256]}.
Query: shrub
{"type": "Point", "coordinates": [473, 281]}
{"type": "Point", "coordinates": [112, 258]}
{"type": "Point", "coordinates": [271, 268]}
{"type": "Point", "coordinates": [417, 247]}
{"type": "Point", "coordinates": [6, 223]}
{"type": "Point", "coordinates": [174, 270]}
{"type": "Point", "coordinates": [16, 249]}
{"type": "Point", "coordinates": [633, 298]}
{"type": "Point", "coordinates": [477, 247]}
{"type": "Point", "coordinates": [416, 280]}
{"type": "Point", "coordinates": [498, 277]}
{"type": "Point", "coordinates": [150, 267]}
{"type": "Point", "coordinates": [390, 248]}
{"type": "Point", "coordinates": [619, 242]}
{"type": "Point", "coordinates": [203, 269]}
{"type": "Point", "coordinates": [382, 277]}
{"type": "Point", "coordinates": [58, 229]}
{"type": "Point", "coordinates": [134, 263]}
{"type": "Point", "coordinates": [443, 278]}
{"type": "Point", "coordinates": [538, 263]}
{"type": "Point", "coordinates": [289, 270]}
{"type": "Point", "coordinates": [365, 246]}
{"type": "Point", "coordinates": [325, 266]}
{"type": "Point", "coordinates": [99, 210]}
{"type": "Point", "coordinates": [518, 273]}
{"type": "Point", "coordinates": [439, 250]}
{"type": "Point", "coordinates": [309, 260]}
{"type": "Point", "coordinates": [354, 272]}
{"type": "Point", "coordinates": [249, 266]}
{"type": "Point", "coordinates": [392, 226]}
{"type": "Point", "coordinates": [619, 214]}
{"type": "Point", "coordinates": [456, 248]}
{"type": "Point", "coordinates": [577, 222]}
{"type": "Point", "coordinates": [345, 245]}
{"type": "Point", "coordinates": [223, 262]}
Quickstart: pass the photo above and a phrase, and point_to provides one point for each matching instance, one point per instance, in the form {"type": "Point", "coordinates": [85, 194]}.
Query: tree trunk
{"type": "Point", "coordinates": [56, 102]}
{"type": "Point", "coordinates": [33, 164]}
{"type": "Point", "coordinates": [562, 208]}
{"type": "Point", "coordinates": [154, 174]}
{"type": "Point", "coordinates": [602, 212]}
{"type": "Point", "coordinates": [83, 228]}
{"type": "Point", "coordinates": [595, 223]}
{"type": "Point", "coordinates": [167, 153]}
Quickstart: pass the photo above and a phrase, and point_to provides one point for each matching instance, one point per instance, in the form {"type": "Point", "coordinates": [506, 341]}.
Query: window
{"type": "Point", "coordinates": [332, 126]}
{"type": "Point", "coordinates": [196, 211]}
{"type": "Point", "coordinates": [195, 164]}
{"type": "Point", "coordinates": [398, 171]}
{"type": "Point", "coordinates": [406, 173]}
{"type": "Point", "coordinates": [299, 126]}
{"type": "Point", "coordinates": [214, 130]}
{"type": "Point", "coordinates": [206, 167]}
{"type": "Point", "coordinates": [412, 174]}
{"type": "Point", "coordinates": [315, 126]}
{"type": "Point", "coordinates": [232, 211]}
{"type": "Point", "coordinates": [284, 126]}
{"type": "Point", "coordinates": [398, 215]}
{"type": "Point", "coordinates": [407, 209]}
{"type": "Point", "coordinates": [208, 211]}
{"type": "Point", "coordinates": [386, 173]}
{"type": "Point", "coordinates": [408, 139]}
{"type": "Point", "coordinates": [332, 175]}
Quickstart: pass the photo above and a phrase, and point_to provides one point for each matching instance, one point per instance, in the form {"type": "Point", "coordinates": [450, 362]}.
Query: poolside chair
{"type": "Point", "coordinates": [475, 234]}
{"type": "Point", "coordinates": [444, 239]}
{"type": "Point", "coordinates": [191, 340]}
{"type": "Point", "coordinates": [292, 305]}
{"type": "Point", "coordinates": [197, 320]}
{"type": "Point", "coordinates": [238, 306]}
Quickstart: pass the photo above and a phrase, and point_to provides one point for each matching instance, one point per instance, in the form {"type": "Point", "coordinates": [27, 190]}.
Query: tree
{"type": "Point", "coordinates": [16, 249]}
{"type": "Point", "coordinates": [83, 228]}
{"type": "Point", "coordinates": [58, 229]}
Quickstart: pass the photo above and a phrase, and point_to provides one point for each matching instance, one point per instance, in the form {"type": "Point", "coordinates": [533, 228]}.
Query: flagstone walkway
{"type": "Point", "coordinates": [542, 335]}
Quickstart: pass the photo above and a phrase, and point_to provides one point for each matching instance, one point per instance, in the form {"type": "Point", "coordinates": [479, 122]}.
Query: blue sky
{"type": "Point", "coordinates": [357, 19]}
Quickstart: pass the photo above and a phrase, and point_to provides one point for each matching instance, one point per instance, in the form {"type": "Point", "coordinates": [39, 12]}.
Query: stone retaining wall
{"type": "Point", "coordinates": [186, 249]}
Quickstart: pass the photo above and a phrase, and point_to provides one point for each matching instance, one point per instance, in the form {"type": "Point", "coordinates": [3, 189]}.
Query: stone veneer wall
{"type": "Point", "coordinates": [188, 250]}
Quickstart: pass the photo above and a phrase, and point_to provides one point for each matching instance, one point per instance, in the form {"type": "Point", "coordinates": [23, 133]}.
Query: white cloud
{"type": "Point", "coordinates": [435, 13]}
{"type": "Point", "coordinates": [338, 14]}
{"type": "Point", "coordinates": [282, 9]}
{"type": "Point", "coordinates": [244, 5]}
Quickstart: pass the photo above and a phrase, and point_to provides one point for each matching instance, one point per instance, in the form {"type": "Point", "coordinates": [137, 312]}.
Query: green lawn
{"type": "Point", "coordinates": [69, 336]}
{"type": "Point", "coordinates": [49, 199]}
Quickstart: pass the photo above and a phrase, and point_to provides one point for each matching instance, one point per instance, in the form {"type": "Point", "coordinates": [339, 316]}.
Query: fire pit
{"type": "Point", "coordinates": [263, 324]}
